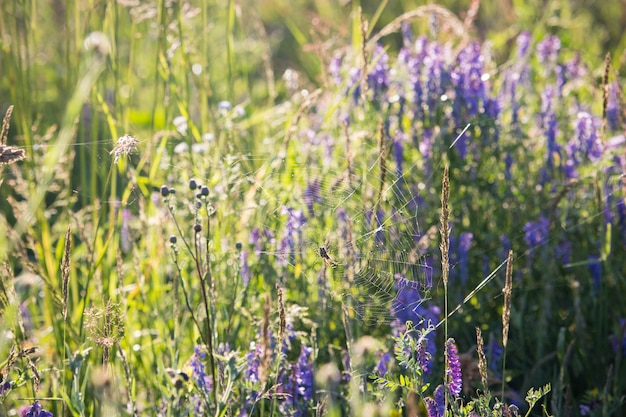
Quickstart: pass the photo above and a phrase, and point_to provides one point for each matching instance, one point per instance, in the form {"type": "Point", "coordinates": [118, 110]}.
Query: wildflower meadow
{"type": "Point", "coordinates": [312, 208]}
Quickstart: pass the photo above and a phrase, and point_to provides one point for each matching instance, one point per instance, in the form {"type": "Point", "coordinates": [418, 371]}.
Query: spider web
{"type": "Point", "coordinates": [366, 216]}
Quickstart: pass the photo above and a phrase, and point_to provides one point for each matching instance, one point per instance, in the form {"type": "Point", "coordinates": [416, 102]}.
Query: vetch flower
{"type": "Point", "coordinates": [423, 356]}
{"type": "Point", "coordinates": [454, 380]}
{"type": "Point", "coordinates": [35, 410]}
{"type": "Point", "coordinates": [431, 407]}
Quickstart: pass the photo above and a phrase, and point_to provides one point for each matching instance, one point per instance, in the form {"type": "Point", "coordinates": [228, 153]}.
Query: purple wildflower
{"type": "Point", "coordinates": [465, 241]}
{"type": "Point", "coordinates": [618, 340]}
{"type": "Point", "coordinates": [378, 76]}
{"type": "Point", "coordinates": [563, 252]}
{"type": "Point", "coordinates": [523, 42]}
{"type": "Point", "coordinates": [440, 399]}
{"type": "Point", "coordinates": [505, 247]}
{"type": "Point", "coordinates": [292, 235]}
{"type": "Point", "coordinates": [334, 68]}
{"type": "Point", "coordinates": [431, 407]}
{"type": "Point", "coordinates": [536, 233]}
{"type": "Point", "coordinates": [587, 136]}
{"type": "Point", "coordinates": [425, 147]}
{"type": "Point", "coordinates": [550, 128]}
{"type": "Point", "coordinates": [125, 238]}
{"type": "Point", "coordinates": [35, 410]}
{"type": "Point", "coordinates": [253, 359]}
{"type": "Point", "coordinates": [453, 369]}
{"type": "Point", "coordinates": [575, 69]}
{"type": "Point", "coordinates": [436, 407]}
{"type": "Point", "coordinates": [548, 49]}
{"type": "Point", "coordinates": [494, 352]}
{"type": "Point", "coordinates": [612, 106]}
{"type": "Point", "coordinates": [406, 305]}
{"type": "Point", "coordinates": [304, 375]}
{"type": "Point", "coordinates": [5, 387]}
{"type": "Point", "coordinates": [398, 152]}
{"type": "Point", "coordinates": [467, 79]}
{"type": "Point", "coordinates": [245, 267]}
{"type": "Point", "coordinates": [423, 356]}
{"type": "Point", "coordinates": [312, 195]}
{"type": "Point", "coordinates": [621, 217]}
{"type": "Point", "coordinates": [382, 367]}
{"type": "Point", "coordinates": [595, 268]}
{"type": "Point", "coordinates": [202, 380]}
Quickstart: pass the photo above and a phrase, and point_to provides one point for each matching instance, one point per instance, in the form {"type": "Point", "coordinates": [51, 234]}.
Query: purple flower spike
{"type": "Point", "coordinates": [423, 356]}
{"type": "Point", "coordinates": [304, 374]}
{"type": "Point", "coordinates": [453, 368]}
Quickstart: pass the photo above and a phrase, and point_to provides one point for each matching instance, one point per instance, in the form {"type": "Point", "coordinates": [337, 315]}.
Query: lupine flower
{"type": "Point", "coordinates": [453, 369]}
{"type": "Point", "coordinates": [536, 233]}
{"type": "Point", "coordinates": [35, 410]}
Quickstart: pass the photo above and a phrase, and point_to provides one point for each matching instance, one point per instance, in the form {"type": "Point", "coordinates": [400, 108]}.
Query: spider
{"type": "Point", "coordinates": [328, 260]}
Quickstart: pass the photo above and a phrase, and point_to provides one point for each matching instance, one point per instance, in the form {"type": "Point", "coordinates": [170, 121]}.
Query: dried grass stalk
{"type": "Point", "coordinates": [445, 227]}
{"type": "Point", "coordinates": [65, 269]}
{"type": "Point", "coordinates": [482, 359]}
{"type": "Point", "coordinates": [9, 154]}
{"type": "Point", "coordinates": [508, 288]}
